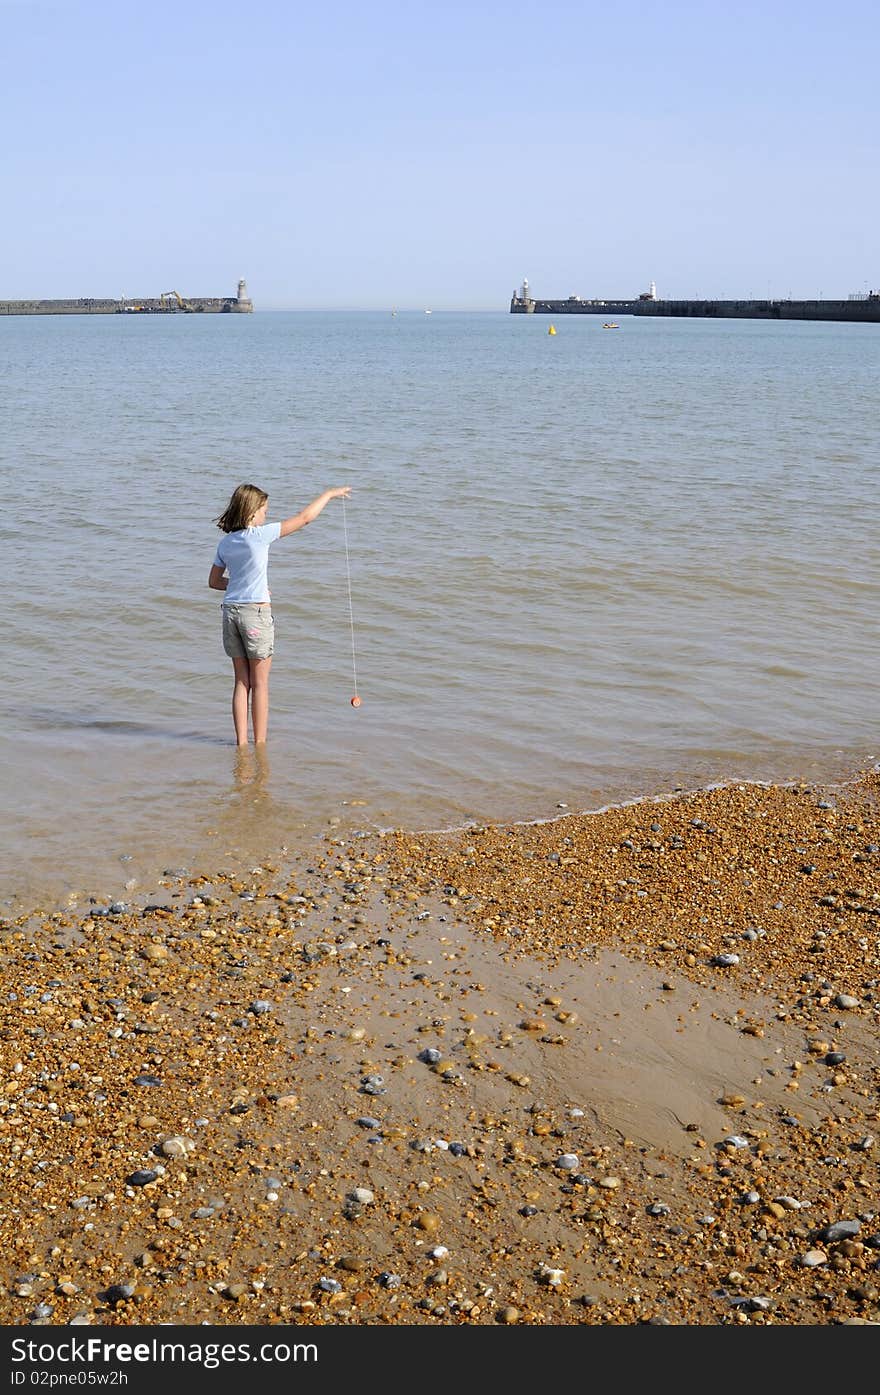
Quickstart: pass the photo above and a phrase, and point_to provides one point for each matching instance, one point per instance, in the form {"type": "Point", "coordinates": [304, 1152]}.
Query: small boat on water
{"type": "Point", "coordinates": [610, 325]}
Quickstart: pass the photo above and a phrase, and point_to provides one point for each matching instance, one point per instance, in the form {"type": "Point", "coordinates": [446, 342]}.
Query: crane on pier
{"type": "Point", "coordinates": [165, 301]}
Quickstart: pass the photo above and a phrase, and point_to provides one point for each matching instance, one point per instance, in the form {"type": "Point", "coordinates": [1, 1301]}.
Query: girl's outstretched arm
{"type": "Point", "coordinates": [311, 511]}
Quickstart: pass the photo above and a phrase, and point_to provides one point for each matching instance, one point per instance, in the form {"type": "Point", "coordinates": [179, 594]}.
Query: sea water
{"type": "Point", "coordinates": [574, 569]}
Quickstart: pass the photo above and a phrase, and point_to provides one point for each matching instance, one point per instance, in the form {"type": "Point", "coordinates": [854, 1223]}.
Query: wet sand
{"type": "Point", "coordinates": [611, 1069]}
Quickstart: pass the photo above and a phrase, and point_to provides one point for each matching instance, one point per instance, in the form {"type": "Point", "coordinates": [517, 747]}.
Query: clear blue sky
{"type": "Point", "coordinates": [432, 154]}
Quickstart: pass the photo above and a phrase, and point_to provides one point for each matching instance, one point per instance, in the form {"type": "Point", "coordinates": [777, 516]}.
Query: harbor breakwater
{"type": "Point", "coordinates": [167, 303]}
{"type": "Point", "coordinates": [862, 309]}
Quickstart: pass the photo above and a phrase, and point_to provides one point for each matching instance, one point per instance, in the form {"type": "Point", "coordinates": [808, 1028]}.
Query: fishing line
{"type": "Point", "coordinates": [355, 702]}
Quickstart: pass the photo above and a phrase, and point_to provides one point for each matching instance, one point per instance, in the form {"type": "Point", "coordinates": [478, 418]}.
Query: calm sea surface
{"type": "Point", "coordinates": [583, 568]}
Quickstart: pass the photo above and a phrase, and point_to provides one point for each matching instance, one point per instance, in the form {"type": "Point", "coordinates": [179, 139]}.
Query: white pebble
{"type": "Point", "coordinates": [177, 1147]}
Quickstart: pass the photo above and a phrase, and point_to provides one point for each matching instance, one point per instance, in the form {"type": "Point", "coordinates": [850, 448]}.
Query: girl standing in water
{"type": "Point", "coordinates": [240, 568]}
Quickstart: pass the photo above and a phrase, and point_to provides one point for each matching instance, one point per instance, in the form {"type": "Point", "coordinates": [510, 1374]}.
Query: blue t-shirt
{"type": "Point", "coordinates": [245, 556]}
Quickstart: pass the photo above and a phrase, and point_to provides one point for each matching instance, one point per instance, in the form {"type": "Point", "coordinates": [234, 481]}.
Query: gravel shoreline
{"type": "Point", "coordinates": [617, 1068]}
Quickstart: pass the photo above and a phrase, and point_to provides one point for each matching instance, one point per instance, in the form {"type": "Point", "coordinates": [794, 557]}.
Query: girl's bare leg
{"type": "Point", "coordinates": [259, 678]}
{"type": "Point", "coordinates": [240, 695]}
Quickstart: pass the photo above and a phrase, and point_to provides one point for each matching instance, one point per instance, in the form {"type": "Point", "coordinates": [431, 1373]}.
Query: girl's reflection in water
{"type": "Point", "coordinates": [251, 769]}
{"type": "Point", "coordinates": [250, 821]}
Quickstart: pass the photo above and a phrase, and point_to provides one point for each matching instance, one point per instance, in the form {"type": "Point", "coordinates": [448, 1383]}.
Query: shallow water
{"type": "Point", "coordinates": [583, 568]}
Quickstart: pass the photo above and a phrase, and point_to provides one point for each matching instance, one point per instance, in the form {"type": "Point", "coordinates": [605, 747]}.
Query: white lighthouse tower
{"type": "Point", "coordinates": [243, 299]}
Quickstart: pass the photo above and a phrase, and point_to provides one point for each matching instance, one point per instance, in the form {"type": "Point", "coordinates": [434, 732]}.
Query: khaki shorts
{"type": "Point", "coordinates": [248, 631]}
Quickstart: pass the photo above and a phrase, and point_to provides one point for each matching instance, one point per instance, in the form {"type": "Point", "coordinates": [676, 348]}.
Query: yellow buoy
{"type": "Point", "coordinates": [552, 329]}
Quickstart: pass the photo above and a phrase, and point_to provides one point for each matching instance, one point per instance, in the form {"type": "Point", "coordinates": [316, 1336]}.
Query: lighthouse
{"type": "Point", "coordinates": [244, 300]}
{"type": "Point", "coordinates": [521, 301]}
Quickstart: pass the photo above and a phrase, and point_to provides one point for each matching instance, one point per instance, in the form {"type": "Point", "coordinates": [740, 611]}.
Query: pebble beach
{"type": "Point", "coordinates": [611, 1068]}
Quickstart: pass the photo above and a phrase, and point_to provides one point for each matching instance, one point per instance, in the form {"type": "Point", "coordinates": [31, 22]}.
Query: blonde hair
{"type": "Point", "coordinates": [245, 501]}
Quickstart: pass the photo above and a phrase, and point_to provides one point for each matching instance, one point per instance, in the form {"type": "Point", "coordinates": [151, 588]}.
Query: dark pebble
{"type": "Point", "coordinates": [841, 1230]}
{"type": "Point", "coordinates": [117, 1293]}
{"type": "Point", "coordinates": [142, 1177]}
